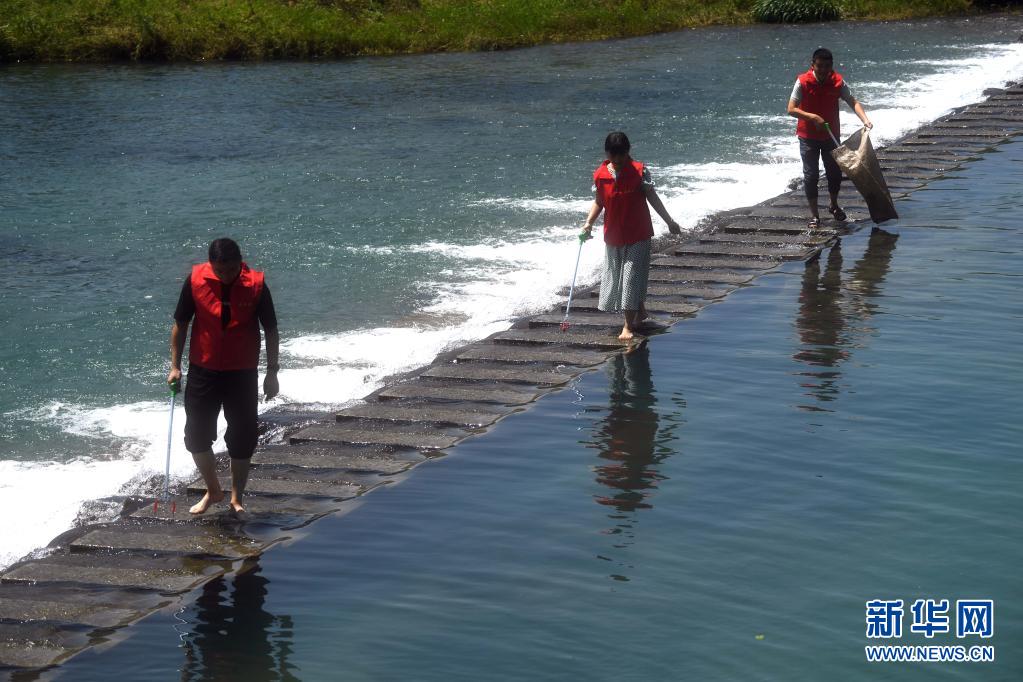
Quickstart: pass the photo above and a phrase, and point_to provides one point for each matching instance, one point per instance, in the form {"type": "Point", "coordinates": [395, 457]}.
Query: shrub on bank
{"type": "Point", "coordinates": [796, 11]}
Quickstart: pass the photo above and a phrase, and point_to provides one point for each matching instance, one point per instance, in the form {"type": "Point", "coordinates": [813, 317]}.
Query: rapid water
{"type": "Point", "coordinates": [400, 206]}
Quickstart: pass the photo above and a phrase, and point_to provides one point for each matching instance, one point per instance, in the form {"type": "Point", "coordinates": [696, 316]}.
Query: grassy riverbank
{"type": "Point", "coordinates": [110, 30]}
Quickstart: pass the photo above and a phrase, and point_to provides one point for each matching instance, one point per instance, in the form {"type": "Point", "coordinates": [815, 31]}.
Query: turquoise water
{"type": "Point", "coordinates": [719, 507]}
{"type": "Point", "coordinates": [400, 206]}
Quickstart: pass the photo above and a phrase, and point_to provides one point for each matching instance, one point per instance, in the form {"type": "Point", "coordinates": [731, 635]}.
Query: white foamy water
{"type": "Point", "coordinates": [481, 289]}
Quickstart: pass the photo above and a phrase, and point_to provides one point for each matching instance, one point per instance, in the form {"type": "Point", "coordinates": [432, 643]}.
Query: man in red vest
{"type": "Point", "coordinates": [814, 101]}
{"type": "Point", "coordinates": [229, 302]}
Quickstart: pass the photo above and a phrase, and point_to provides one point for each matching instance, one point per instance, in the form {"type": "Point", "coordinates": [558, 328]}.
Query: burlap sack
{"type": "Point", "coordinates": [858, 161]}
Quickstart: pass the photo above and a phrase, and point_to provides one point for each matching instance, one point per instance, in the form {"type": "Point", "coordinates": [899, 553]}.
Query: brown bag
{"type": "Point", "coordinates": [858, 161]}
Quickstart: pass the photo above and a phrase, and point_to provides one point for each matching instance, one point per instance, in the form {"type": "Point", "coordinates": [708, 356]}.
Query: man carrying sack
{"type": "Point", "coordinates": [229, 302]}
{"type": "Point", "coordinates": [814, 102]}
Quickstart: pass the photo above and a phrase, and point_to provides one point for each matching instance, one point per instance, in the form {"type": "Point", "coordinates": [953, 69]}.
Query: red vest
{"type": "Point", "coordinates": [626, 215]}
{"type": "Point", "coordinates": [820, 99]}
{"type": "Point", "coordinates": [237, 345]}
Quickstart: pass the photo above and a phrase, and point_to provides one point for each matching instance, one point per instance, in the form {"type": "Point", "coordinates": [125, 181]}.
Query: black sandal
{"type": "Point", "coordinates": [838, 213]}
{"type": "Point", "coordinates": [813, 224]}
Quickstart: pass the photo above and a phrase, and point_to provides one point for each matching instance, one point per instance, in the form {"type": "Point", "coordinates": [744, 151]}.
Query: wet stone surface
{"type": "Point", "coordinates": [573, 337]}
{"type": "Point", "coordinates": [708, 293]}
{"type": "Point", "coordinates": [713, 263]}
{"type": "Point", "coordinates": [169, 575]}
{"type": "Point", "coordinates": [200, 540]}
{"type": "Point", "coordinates": [272, 486]}
{"type": "Point", "coordinates": [514, 355]}
{"type": "Point", "coordinates": [737, 250]}
{"type": "Point", "coordinates": [285, 512]}
{"type": "Point", "coordinates": [485, 394]}
{"type": "Point", "coordinates": [675, 307]}
{"type": "Point", "coordinates": [437, 414]}
{"type": "Point", "coordinates": [321, 456]}
{"type": "Point", "coordinates": [486, 372]}
{"type": "Point", "coordinates": [661, 273]}
{"type": "Point", "coordinates": [340, 433]}
{"type": "Point", "coordinates": [802, 239]}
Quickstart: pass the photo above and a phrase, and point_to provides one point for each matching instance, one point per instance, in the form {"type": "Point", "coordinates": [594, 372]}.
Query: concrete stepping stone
{"type": "Point", "coordinates": [675, 308]}
{"type": "Point", "coordinates": [500, 396]}
{"type": "Point", "coordinates": [61, 612]}
{"type": "Point", "coordinates": [480, 372]}
{"type": "Point", "coordinates": [515, 355]}
{"type": "Point", "coordinates": [735, 251]}
{"type": "Point", "coordinates": [282, 486]}
{"type": "Point", "coordinates": [801, 239]}
{"type": "Point", "coordinates": [200, 540]}
{"type": "Point", "coordinates": [165, 575]}
{"type": "Point", "coordinates": [286, 512]}
{"type": "Point", "coordinates": [27, 603]}
{"type": "Point", "coordinates": [321, 456]}
{"type": "Point", "coordinates": [706, 293]}
{"type": "Point", "coordinates": [786, 212]}
{"type": "Point", "coordinates": [955, 133]}
{"type": "Point", "coordinates": [344, 434]}
{"type": "Point", "coordinates": [792, 228]}
{"type": "Point", "coordinates": [716, 262]}
{"type": "Point", "coordinates": [598, 320]}
{"type": "Point", "coordinates": [430, 414]}
{"type": "Point", "coordinates": [662, 273]}
{"type": "Point", "coordinates": [20, 652]}
{"type": "Point", "coordinates": [573, 337]}
{"type": "Point", "coordinates": [932, 169]}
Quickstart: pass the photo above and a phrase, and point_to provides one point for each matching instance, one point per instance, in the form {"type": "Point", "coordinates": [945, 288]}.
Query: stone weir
{"type": "Point", "coordinates": [94, 580]}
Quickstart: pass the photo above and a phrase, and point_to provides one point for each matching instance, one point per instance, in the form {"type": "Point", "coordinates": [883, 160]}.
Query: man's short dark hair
{"type": "Point", "coordinates": [822, 53]}
{"type": "Point", "coordinates": [617, 143]}
{"type": "Point", "coordinates": [224, 250]}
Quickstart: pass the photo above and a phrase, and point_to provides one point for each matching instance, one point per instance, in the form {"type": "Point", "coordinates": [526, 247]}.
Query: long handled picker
{"type": "Point", "coordinates": [175, 388]}
{"type": "Point", "coordinates": [583, 236]}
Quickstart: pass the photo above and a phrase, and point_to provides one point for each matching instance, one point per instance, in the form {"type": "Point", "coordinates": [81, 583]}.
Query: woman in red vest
{"type": "Point", "coordinates": [622, 187]}
{"type": "Point", "coordinates": [814, 101]}
{"type": "Point", "coordinates": [228, 301]}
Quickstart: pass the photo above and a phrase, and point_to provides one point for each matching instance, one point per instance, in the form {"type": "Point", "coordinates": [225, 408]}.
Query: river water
{"type": "Point", "coordinates": [400, 206]}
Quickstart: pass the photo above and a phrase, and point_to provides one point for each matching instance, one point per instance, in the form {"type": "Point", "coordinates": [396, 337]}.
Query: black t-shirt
{"type": "Point", "coordinates": [185, 310]}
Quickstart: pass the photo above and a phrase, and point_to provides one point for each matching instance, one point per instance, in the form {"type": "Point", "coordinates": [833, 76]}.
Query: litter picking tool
{"type": "Point", "coordinates": [583, 236]}
{"type": "Point", "coordinates": [833, 138]}
{"type": "Point", "coordinates": [175, 388]}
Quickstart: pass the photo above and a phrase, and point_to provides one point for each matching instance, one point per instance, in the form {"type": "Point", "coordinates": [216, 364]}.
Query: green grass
{"type": "Point", "coordinates": [193, 30]}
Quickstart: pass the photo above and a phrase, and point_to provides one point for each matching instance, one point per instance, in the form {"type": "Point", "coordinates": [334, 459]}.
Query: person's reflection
{"type": "Point", "coordinates": [626, 439]}
{"type": "Point", "coordinates": [233, 637]}
{"type": "Point", "coordinates": [832, 315]}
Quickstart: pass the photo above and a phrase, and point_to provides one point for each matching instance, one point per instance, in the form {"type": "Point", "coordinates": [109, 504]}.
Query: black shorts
{"type": "Point", "coordinates": [237, 391]}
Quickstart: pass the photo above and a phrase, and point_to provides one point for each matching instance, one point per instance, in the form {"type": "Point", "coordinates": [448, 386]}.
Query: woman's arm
{"type": "Point", "coordinates": [655, 201]}
{"type": "Point", "coordinates": [591, 218]}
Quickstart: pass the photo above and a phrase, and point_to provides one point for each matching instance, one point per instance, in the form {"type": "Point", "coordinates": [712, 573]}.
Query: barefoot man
{"type": "Point", "coordinates": [228, 301]}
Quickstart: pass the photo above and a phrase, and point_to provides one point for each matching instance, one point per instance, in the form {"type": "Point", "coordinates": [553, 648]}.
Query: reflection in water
{"type": "Point", "coordinates": [629, 449]}
{"type": "Point", "coordinates": [233, 638]}
{"type": "Point", "coordinates": [833, 315]}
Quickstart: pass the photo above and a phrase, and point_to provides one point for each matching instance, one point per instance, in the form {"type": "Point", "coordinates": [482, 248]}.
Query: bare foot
{"type": "Point", "coordinates": [205, 503]}
{"type": "Point", "coordinates": [236, 506]}
{"type": "Point", "coordinates": [626, 334]}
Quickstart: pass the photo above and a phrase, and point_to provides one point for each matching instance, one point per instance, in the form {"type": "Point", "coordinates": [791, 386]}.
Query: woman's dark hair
{"type": "Point", "coordinates": [224, 250]}
{"type": "Point", "coordinates": [617, 143]}
{"type": "Point", "coordinates": [822, 53]}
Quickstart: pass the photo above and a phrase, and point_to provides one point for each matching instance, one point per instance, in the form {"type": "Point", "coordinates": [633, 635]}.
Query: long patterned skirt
{"type": "Point", "coordinates": [624, 282]}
